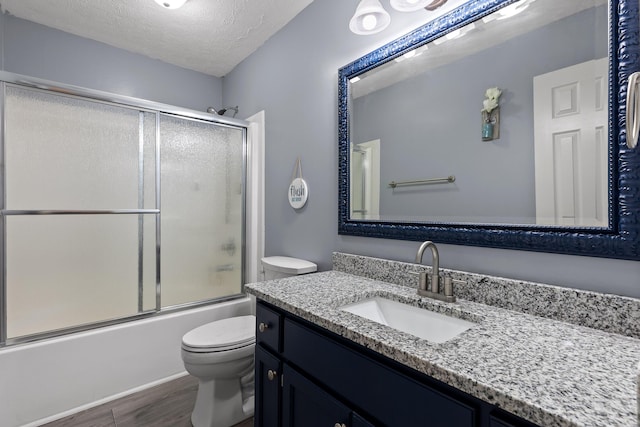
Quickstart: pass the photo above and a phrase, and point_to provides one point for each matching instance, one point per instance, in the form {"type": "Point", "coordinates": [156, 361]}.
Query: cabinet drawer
{"type": "Point", "coordinates": [390, 397]}
{"type": "Point", "coordinates": [268, 327]}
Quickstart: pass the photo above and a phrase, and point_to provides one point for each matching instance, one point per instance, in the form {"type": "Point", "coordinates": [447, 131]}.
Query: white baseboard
{"type": "Point", "coordinates": [105, 400]}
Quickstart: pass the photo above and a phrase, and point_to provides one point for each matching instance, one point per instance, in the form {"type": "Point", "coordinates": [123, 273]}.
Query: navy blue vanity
{"type": "Point", "coordinates": [534, 354]}
{"type": "Point", "coordinates": [307, 376]}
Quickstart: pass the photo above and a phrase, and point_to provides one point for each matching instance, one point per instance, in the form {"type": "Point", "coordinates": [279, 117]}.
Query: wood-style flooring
{"type": "Point", "coordinates": [166, 405]}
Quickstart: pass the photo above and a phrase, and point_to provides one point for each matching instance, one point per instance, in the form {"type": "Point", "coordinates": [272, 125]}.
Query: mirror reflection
{"type": "Point", "coordinates": [503, 121]}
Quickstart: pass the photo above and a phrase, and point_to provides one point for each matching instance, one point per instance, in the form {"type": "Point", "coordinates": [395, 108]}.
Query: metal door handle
{"type": "Point", "coordinates": [263, 327]}
{"type": "Point", "coordinates": [271, 375]}
{"type": "Point", "coordinates": [633, 110]}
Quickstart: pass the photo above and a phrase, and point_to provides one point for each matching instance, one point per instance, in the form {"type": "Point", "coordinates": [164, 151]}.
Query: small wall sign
{"type": "Point", "coordinates": [298, 189]}
{"type": "Point", "coordinates": [298, 193]}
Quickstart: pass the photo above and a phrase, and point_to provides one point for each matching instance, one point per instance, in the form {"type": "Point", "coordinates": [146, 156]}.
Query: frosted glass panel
{"type": "Point", "coordinates": [66, 271]}
{"type": "Point", "coordinates": [149, 263]}
{"type": "Point", "coordinates": [71, 153]}
{"type": "Point", "coordinates": [201, 223]}
{"type": "Point", "coordinates": [149, 160]}
{"type": "Point", "coordinates": [67, 153]}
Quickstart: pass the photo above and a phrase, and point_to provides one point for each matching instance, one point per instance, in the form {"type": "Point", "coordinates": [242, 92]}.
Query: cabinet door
{"type": "Point", "coordinates": [306, 405]}
{"type": "Point", "coordinates": [268, 371]}
{"type": "Point", "coordinates": [388, 396]}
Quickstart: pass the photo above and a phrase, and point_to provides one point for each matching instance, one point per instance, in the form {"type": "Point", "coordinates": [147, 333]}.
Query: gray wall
{"type": "Point", "coordinates": [293, 77]}
{"type": "Point", "coordinates": [430, 128]}
{"type": "Point", "coordinates": [38, 51]}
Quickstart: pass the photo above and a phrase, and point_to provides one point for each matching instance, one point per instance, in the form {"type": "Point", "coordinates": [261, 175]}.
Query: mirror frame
{"type": "Point", "coordinates": [621, 239]}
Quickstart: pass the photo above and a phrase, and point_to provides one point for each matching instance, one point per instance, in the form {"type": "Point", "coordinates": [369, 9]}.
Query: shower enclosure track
{"type": "Point", "coordinates": [11, 79]}
{"type": "Point", "coordinates": [80, 212]}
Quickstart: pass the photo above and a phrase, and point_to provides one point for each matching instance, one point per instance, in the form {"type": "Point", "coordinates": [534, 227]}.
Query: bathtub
{"type": "Point", "coordinates": [50, 379]}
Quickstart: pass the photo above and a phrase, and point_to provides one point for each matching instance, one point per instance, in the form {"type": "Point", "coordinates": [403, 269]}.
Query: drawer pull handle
{"type": "Point", "coordinates": [271, 374]}
{"type": "Point", "coordinates": [263, 327]}
{"type": "Point", "coordinates": [340, 425]}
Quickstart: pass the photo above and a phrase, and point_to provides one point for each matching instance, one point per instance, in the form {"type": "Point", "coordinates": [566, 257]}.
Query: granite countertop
{"type": "Point", "coordinates": [547, 371]}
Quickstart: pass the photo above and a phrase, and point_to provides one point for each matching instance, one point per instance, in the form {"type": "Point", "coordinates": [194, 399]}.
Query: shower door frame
{"type": "Point", "coordinates": [142, 106]}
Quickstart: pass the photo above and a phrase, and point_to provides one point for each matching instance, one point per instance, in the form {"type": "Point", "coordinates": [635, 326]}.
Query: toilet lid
{"type": "Point", "coordinates": [227, 333]}
{"type": "Point", "coordinates": [288, 265]}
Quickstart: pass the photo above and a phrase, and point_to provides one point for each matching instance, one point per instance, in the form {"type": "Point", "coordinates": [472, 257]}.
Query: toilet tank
{"type": "Point", "coordinates": [279, 267]}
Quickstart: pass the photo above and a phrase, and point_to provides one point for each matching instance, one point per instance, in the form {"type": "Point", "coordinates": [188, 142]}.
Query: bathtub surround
{"type": "Point", "coordinates": [541, 369]}
{"type": "Point", "coordinates": [97, 366]}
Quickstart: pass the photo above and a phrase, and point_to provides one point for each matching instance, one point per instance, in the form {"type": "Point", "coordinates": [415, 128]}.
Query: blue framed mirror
{"type": "Point", "coordinates": [554, 175]}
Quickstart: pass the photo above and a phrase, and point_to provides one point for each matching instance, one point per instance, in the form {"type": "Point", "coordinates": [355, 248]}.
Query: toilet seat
{"type": "Point", "coordinates": [222, 335]}
{"type": "Point", "coordinates": [217, 349]}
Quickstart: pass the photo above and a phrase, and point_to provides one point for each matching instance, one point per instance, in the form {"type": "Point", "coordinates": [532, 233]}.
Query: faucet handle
{"type": "Point", "coordinates": [448, 287]}
{"type": "Point", "coordinates": [435, 283]}
{"type": "Point", "coordinates": [422, 278]}
{"type": "Point", "coordinates": [423, 282]}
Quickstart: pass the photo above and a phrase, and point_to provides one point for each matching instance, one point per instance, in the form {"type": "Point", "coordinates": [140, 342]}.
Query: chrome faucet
{"type": "Point", "coordinates": [430, 287]}
{"type": "Point", "coordinates": [435, 271]}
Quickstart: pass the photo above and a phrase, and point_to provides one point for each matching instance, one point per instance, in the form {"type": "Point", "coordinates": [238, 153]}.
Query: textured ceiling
{"type": "Point", "coordinates": [210, 36]}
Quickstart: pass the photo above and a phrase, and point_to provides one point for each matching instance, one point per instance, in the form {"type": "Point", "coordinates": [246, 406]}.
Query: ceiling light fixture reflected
{"type": "Point", "coordinates": [455, 34]}
{"type": "Point", "coordinates": [412, 53]}
{"type": "Point", "coordinates": [369, 18]}
{"type": "Point", "coordinates": [513, 9]}
{"type": "Point", "coordinates": [409, 5]}
{"type": "Point", "coordinates": [171, 4]}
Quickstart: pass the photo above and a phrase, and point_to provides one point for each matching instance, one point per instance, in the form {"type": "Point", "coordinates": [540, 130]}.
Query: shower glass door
{"type": "Point", "coordinates": [112, 212]}
{"type": "Point", "coordinates": [202, 210]}
{"type": "Point", "coordinates": [66, 157]}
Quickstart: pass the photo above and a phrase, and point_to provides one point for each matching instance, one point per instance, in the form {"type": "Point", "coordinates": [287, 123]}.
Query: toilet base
{"type": "Point", "coordinates": [219, 404]}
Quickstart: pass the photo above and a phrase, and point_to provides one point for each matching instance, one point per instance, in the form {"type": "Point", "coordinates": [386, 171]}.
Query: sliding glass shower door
{"type": "Point", "coordinates": [202, 210]}
{"type": "Point", "coordinates": [112, 212]}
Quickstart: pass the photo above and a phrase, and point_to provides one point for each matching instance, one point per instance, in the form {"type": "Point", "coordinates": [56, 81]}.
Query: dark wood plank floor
{"type": "Point", "coordinates": [166, 405]}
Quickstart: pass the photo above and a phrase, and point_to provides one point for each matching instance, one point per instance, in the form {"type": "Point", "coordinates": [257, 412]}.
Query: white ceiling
{"type": "Point", "coordinates": [210, 36]}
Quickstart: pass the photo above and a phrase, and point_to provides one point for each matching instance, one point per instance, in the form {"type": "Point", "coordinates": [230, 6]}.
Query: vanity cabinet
{"type": "Point", "coordinates": [318, 378]}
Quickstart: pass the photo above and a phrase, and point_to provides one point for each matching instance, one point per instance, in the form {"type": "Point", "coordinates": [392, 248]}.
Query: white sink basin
{"type": "Point", "coordinates": [422, 323]}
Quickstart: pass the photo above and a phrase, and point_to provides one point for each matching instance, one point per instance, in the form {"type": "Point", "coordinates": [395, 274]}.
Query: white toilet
{"type": "Point", "coordinates": [221, 355]}
{"type": "Point", "coordinates": [279, 267]}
